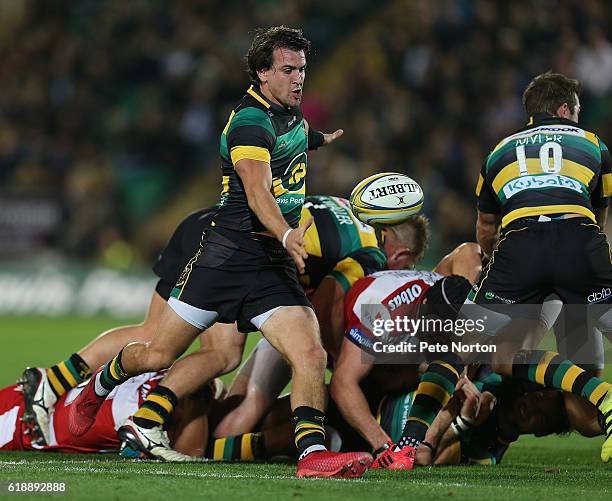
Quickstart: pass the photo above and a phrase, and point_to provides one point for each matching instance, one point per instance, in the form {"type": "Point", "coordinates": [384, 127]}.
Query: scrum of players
{"type": "Point", "coordinates": [236, 267]}
{"type": "Point", "coordinates": [447, 414]}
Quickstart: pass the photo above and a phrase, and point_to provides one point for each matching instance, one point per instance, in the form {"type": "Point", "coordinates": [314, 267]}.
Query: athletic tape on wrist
{"type": "Point", "coordinates": [461, 424]}
{"type": "Point", "coordinates": [284, 240]}
{"type": "Point", "coordinates": [429, 446]}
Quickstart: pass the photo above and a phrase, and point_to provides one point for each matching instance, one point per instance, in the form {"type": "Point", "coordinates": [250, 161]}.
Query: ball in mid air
{"type": "Point", "coordinates": [386, 199]}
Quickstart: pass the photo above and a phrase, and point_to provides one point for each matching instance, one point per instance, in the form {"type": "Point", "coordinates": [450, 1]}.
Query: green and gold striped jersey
{"type": "Point", "coordinates": [258, 129]}
{"type": "Point", "coordinates": [551, 166]}
{"type": "Point", "coordinates": [338, 244]}
{"type": "Point", "coordinates": [393, 412]}
{"type": "Point", "coordinates": [480, 445]}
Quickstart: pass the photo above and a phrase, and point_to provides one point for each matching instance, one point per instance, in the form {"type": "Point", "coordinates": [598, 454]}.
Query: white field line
{"type": "Point", "coordinates": [71, 466]}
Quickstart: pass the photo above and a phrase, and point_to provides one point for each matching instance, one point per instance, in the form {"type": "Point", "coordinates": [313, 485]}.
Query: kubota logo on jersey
{"type": "Point", "coordinates": [293, 179]}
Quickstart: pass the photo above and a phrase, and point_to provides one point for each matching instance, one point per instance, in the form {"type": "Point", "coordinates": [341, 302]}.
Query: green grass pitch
{"type": "Point", "coordinates": [544, 468]}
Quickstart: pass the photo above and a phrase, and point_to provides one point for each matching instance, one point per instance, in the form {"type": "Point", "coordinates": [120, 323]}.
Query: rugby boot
{"type": "Point", "coordinates": [82, 412]}
{"type": "Point", "coordinates": [326, 464]}
{"type": "Point", "coordinates": [605, 419]}
{"type": "Point", "coordinates": [149, 443]}
{"type": "Point", "coordinates": [378, 455]}
{"type": "Point", "coordinates": [402, 459]}
{"type": "Point", "coordinates": [39, 401]}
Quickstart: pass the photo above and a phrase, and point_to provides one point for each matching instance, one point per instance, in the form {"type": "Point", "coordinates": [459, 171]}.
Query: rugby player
{"type": "Point", "coordinates": [341, 250]}
{"type": "Point", "coordinates": [550, 242]}
{"type": "Point", "coordinates": [42, 387]}
{"type": "Point", "coordinates": [543, 197]}
{"type": "Point", "coordinates": [402, 293]}
{"type": "Point", "coordinates": [476, 426]}
{"type": "Point", "coordinates": [484, 418]}
{"type": "Point", "coordinates": [265, 373]}
{"type": "Point", "coordinates": [245, 269]}
{"type": "Point", "coordinates": [187, 434]}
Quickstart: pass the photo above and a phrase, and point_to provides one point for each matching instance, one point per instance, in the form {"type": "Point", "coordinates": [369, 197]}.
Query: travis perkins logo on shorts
{"type": "Point", "coordinates": [597, 297]}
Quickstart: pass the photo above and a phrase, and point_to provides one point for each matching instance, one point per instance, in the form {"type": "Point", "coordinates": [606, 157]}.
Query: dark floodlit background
{"type": "Point", "coordinates": [110, 115]}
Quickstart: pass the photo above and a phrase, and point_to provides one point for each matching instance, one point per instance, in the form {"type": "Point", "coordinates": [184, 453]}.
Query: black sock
{"type": "Point", "coordinates": [309, 430]}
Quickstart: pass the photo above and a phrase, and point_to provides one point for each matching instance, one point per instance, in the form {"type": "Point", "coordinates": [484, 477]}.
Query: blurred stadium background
{"type": "Point", "coordinates": [110, 114]}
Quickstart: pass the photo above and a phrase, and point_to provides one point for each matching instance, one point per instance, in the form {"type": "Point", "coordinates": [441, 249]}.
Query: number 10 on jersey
{"type": "Point", "coordinates": [551, 164]}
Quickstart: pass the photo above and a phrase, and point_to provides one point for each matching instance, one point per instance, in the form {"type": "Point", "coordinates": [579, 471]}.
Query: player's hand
{"type": "Point", "coordinates": [424, 456]}
{"type": "Point", "coordinates": [330, 138]}
{"type": "Point", "coordinates": [468, 394]}
{"type": "Point", "coordinates": [486, 404]}
{"type": "Point", "coordinates": [295, 245]}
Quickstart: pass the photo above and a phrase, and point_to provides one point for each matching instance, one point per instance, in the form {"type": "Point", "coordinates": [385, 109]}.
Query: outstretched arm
{"type": "Point", "coordinates": [466, 402]}
{"type": "Point", "coordinates": [349, 370]}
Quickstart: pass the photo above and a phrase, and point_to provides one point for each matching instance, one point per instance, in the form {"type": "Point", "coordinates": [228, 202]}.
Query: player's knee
{"type": "Point", "coordinates": [147, 330]}
{"type": "Point", "coordinates": [156, 359]}
{"type": "Point", "coordinates": [467, 249]}
{"type": "Point", "coordinates": [313, 359]}
{"type": "Point", "coordinates": [232, 360]}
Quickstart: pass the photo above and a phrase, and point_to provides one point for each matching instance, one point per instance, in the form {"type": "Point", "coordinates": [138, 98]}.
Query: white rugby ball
{"type": "Point", "coordinates": [386, 199]}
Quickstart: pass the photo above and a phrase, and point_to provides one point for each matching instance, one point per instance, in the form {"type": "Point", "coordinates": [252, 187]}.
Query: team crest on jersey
{"type": "Point", "coordinates": [294, 177]}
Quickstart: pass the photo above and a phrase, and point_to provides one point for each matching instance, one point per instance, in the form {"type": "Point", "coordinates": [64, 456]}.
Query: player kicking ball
{"type": "Point", "coordinates": [244, 270]}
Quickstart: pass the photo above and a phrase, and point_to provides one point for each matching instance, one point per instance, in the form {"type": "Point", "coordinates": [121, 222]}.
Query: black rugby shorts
{"type": "Point", "coordinates": [239, 276]}
{"type": "Point", "coordinates": [567, 257]}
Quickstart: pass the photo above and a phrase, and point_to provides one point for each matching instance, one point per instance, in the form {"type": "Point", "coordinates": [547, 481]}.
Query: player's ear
{"type": "Point", "coordinates": [400, 258]}
{"type": "Point", "coordinates": [563, 111]}
{"type": "Point", "coordinates": [263, 76]}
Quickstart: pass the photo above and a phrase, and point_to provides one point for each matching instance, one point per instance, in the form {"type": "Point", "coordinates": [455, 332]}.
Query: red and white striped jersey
{"type": "Point", "coordinates": [123, 402]}
{"type": "Point", "coordinates": [12, 429]}
{"type": "Point", "coordinates": [383, 295]}
{"type": "Point", "coordinates": [118, 406]}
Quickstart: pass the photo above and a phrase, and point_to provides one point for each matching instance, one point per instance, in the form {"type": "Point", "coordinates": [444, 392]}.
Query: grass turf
{"type": "Point", "coordinates": [44, 341]}
{"type": "Point", "coordinates": [566, 467]}
{"type": "Point", "coordinates": [533, 468]}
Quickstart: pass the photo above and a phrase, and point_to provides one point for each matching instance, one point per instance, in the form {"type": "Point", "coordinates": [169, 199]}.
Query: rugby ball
{"type": "Point", "coordinates": [386, 199]}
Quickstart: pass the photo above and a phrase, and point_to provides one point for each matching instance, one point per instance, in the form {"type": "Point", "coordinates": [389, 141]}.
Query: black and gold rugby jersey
{"type": "Point", "coordinates": [258, 129]}
{"type": "Point", "coordinates": [338, 244]}
{"type": "Point", "coordinates": [392, 414]}
{"type": "Point", "coordinates": [480, 445]}
{"type": "Point", "coordinates": [551, 166]}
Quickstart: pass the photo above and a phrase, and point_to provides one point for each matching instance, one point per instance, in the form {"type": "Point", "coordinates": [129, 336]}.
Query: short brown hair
{"type": "Point", "coordinates": [259, 55]}
{"type": "Point", "coordinates": [546, 92]}
{"type": "Point", "coordinates": [413, 233]}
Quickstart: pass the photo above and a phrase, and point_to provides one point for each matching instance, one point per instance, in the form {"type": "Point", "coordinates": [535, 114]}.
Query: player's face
{"type": "Point", "coordinates": [565, 111]}
{"type": "Point", "coordinates": [283, 82]}
{"type": "Point", "coordinates": [574, 116]}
